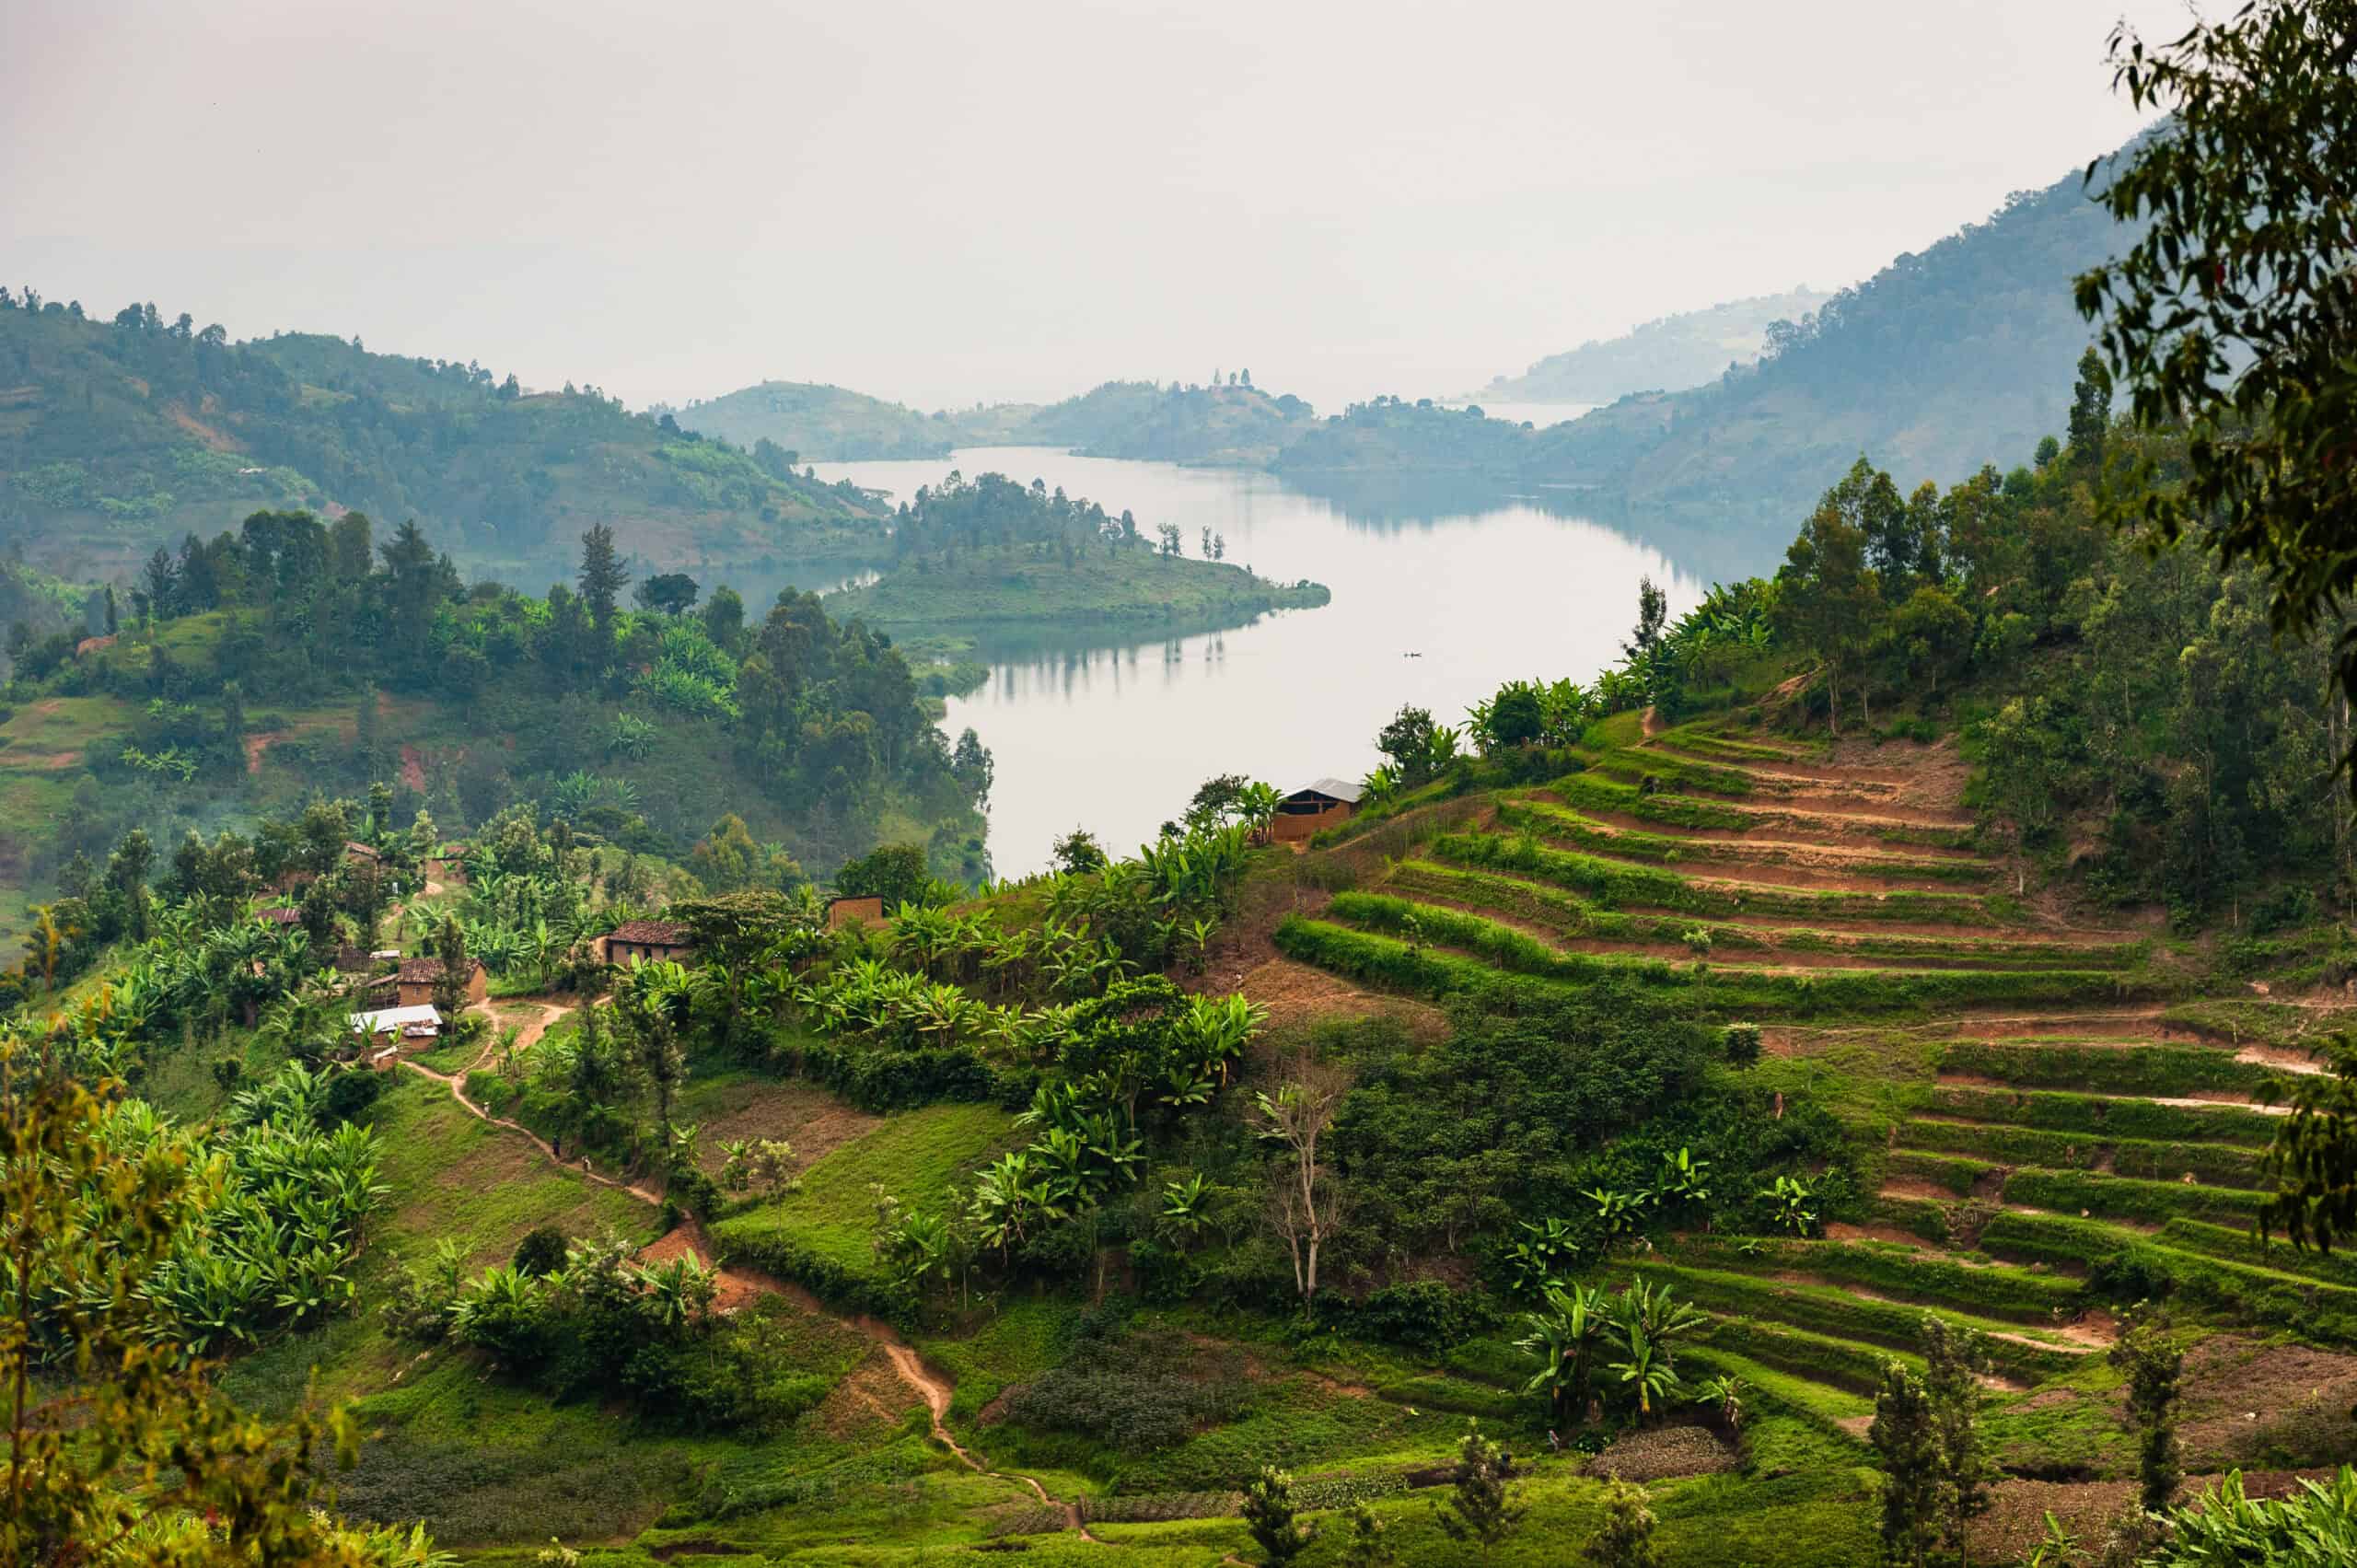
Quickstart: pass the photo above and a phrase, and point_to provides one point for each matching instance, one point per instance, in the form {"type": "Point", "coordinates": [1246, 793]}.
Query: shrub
{"type": "Point", "coordinates": [350, 1094]}
{"type": "Point", "coordinates": [541, 1251]}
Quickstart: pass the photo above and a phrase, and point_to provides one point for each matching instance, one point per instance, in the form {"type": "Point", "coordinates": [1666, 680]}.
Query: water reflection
{"type": "Point", "coordinates": [1437, 598]}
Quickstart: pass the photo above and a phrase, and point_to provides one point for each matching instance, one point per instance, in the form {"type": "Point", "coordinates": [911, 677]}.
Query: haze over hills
{"type": "Point", "coordinates": [116, 437]}
{"type": "Point", "coordinates": [812, 421]}
{"type": "Point", "coordinates": [1947, 359]}
{"type": "Point", "coordinates": [1667, 355]}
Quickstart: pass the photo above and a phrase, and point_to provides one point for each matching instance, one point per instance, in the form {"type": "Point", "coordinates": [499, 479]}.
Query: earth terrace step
{"type": "Point", "coordinates": [1628, 885]}
{"type": "Point", "coordinates": [2171, 1071]}
{"type": "Point", "coordinates": [1702, 816]}
{"type": "Point", "coordinates": [1840, 1363]}
{"type": "Point", "coordinates": [2219, 1165]}
{"type": "Point", "coordinates": [1563, 824]}
{"type": "Point", "coordinates": [1837, 1413]}
{"type": "Point", "coordinates": [1845, 1312]}
{"type": "Point", "coordinates": [2055, 1111]}
{"type": "Point", "coordinates": [1770, 990]}
{"type": "Point", "coordinates": [1562, 922]}
{"type": "Point", "coordinates": [2243, 1291]}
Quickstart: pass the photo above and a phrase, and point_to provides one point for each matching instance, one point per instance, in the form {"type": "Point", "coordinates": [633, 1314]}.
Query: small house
{"type": "Point", "coordinates": [868, 911]}
{"type": "Point", "coordinates": [281, 915]}
{"type": "Point", "coordinates": [293, 881]}
{"type": "Point", "coordinates": [357, 853]}
{"type": "Point", "coordinates": [398, 1026]}
{"type": "Point", "coordinates": [1311, 807]}
{"type": "Point", "coordinates": [416, 980]}
{"type": "Point", "coordinates": [448, 866]}
{"type": "Point", "coordinates": [648, 941]}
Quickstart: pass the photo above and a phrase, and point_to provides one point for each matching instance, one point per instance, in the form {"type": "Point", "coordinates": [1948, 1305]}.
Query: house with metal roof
{"type": "Point", "coordinates": [1312, 807]}
{"type": "Point", "coordinates": [400, 1024]}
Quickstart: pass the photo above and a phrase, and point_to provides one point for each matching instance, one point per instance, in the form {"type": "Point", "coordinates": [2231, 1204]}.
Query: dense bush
{"type": "Point", "coordinates": [1423, 1314]}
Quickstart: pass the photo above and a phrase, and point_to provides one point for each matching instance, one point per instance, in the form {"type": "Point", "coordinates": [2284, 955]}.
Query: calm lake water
{"type": "Point", "coordinates": [1438, 598]}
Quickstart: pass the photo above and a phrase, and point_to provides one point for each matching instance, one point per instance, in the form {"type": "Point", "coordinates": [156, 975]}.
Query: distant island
{"type": "Point", "coordinates": [1229, 423]}
{"type": "Point", "coordinates": [1668, 354]}
{"type": "Point", "coordinates": [992, 555]}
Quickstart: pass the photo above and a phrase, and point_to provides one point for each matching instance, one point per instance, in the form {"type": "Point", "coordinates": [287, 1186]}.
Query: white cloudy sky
{"type": "Point", "coordinates": [948, 202]}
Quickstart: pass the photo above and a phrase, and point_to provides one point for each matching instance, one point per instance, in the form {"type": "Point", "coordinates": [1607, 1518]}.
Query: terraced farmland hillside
{"type": "Point", "coordinates": [2049, 1119]}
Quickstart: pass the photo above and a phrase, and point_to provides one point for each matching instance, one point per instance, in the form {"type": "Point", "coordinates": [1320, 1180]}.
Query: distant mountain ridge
{"type": "Point", "coordinates": [1666, 355]}
{"type": "Point", "coordinates": [1958, 357]}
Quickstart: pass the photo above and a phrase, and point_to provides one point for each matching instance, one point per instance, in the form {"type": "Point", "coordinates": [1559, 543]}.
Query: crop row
{"type": "Point", "coordinates": [1843, 1314]}
{"type": "Point", "coordinates": [1594, 792]}
{"type": "Point", "coordinates": [1573, 916]}
{"type": "Point", "coordinates": [2171, 1070]}
{"type": "Point", "coordinates": [2223, 1164]}
{"type": "Point", "coordinates": [1567, 826]}
{"type": "Point", "coordinates": [2059, 1111]}
{"type": "Point", "coordinates": [1617, 884]}
{"type": "Point", "coordinates": [1807, 993]}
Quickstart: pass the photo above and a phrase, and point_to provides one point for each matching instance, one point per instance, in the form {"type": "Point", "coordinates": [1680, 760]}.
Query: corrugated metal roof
{"type": "Point", "coordinates": [1339, 789]}
{"type": "Point", "coordinates": [384, 1020]}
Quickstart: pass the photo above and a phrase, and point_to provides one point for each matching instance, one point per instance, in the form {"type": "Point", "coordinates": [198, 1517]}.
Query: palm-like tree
{"type": "Point", "coordinates": [1567, 1338]}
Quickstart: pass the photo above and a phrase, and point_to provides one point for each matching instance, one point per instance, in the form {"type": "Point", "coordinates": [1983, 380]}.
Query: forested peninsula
{"type": "Point", "coordinates": [992, 555]}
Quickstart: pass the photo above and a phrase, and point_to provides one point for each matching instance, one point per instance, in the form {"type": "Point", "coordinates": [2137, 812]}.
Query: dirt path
{"type": "Point", "coordinates": [739, 1283]}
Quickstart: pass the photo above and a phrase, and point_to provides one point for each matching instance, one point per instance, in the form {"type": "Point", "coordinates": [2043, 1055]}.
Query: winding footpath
{"type": "Point", "coordinates": [928, 1385]}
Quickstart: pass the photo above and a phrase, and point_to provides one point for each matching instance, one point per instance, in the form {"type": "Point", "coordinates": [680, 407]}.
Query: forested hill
{"type": "Point", "coordinates": [1942, 361]}
{"type": "Point", "coordinates": [119, 434]}
{"type": "Point", "coordinates": [810, 421]}
{"type": "Point", "coordinates": [1668, 354]}
{"type": "Point", "coordinates": [1228, 422]}
{"type": "Point", "coordinates": [250, 673]}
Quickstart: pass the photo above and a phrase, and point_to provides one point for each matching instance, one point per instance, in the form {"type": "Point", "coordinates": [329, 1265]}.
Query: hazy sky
{"type": "Point", "coordinates": [948, 202]}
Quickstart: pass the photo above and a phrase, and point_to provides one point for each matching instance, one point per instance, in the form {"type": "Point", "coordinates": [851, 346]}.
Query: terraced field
{"type": "Point", "coordinates": [2048, 1126]}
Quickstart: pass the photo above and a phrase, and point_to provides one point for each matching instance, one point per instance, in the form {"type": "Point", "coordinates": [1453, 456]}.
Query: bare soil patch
{"type": "Point", "coordinates": [813, 1120]}
{"type": "Point", "coordinates": [2243, 1400]}
{"type": "Point", "coordinates": [1296, 994]}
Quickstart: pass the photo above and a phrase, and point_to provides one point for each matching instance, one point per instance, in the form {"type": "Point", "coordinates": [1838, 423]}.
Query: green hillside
{"type": "Point", "coordinates": [295, 658]}
{"type": "Point", "coordinates": [1849, 980]}
{"type": "Point", "coordinates": [117, 436]}
{"type": "Point", "coordinates": [1668, 354]}
{"type": "Point", "coordinates": [813, 423]}
{"type": "Point", "coordinates": [1943, 361]}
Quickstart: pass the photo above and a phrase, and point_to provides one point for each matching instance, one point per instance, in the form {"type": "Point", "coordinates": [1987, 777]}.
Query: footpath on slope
{"type": "Point", "coordinates": [736, 1285]}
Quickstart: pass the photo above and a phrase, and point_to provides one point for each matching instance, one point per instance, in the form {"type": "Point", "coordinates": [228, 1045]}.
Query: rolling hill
{"type": "Point", "coordinates": [812, 421]}
{"type": "Point", "coordinates": [118, 435]}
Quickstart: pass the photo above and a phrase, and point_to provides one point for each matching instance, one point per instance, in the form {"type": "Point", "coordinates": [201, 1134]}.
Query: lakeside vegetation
{"type": "Point", "coordinates": [991, 555]}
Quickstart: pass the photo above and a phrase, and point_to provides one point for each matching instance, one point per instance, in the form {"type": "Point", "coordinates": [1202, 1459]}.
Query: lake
{"type": "Point", "coordinates": [1439, 596]}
